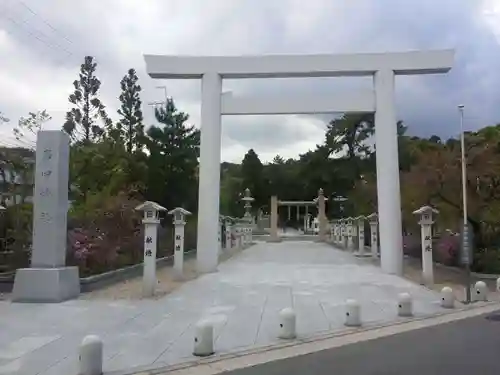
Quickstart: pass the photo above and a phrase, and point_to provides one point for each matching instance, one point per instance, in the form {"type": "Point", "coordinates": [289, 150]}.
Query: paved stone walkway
{"type": "Point", "coordinates": [242, 299]}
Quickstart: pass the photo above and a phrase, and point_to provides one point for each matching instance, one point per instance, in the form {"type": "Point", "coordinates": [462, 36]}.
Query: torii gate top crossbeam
{"type": "Point", "coordinates": [284, 66]}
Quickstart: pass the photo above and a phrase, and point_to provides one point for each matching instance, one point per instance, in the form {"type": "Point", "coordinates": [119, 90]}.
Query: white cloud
{"type": "Point", "coordinates": [37, 73]}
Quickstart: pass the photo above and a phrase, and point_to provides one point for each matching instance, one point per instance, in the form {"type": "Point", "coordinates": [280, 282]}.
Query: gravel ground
{"type": "Point", "coordinates": [132, 289]}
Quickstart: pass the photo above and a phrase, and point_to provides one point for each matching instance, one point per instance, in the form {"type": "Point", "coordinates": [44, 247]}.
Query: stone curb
{"type": "Point", "coordinates": [322, 337]}
{"type": "Point", "coordinates": [95, 282]}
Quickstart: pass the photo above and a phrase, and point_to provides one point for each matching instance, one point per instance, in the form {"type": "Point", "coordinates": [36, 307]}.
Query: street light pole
{"type": "Point", "coordinates": [465, 244]}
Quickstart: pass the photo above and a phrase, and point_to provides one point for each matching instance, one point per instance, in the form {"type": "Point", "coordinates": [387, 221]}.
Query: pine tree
{"type": "Point", "coordinates": [81, 121]}
{"type": "Point", "coordinates": [173, 158]}
{"type": "Point", "coordinates": [130, 125]}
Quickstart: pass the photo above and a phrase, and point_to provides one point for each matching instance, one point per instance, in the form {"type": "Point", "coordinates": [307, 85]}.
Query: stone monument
{"type": "Point", "coordinates": [48, 279]}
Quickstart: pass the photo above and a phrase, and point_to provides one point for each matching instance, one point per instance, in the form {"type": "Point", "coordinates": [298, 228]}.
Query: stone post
{"type": "Point", "coordinates": [48, 279]}
{"type": "Point", "coordinates": [151, 221]}
{"type": "Point", "coordinates": [221, 219]}
{"type": "Point", "coordinates": [426, 220]}
{"type": "Point", "coordinates": [350, 234]}
{"type": "Point", "coordinates": [179, 221]}
{"type": "Point", "coordinates": [274, 220]}
{"type": "Point", "coordinates": [346, 234]}
{"type": "Point", "coordinates": [229, 229]}
{"type": "Point", "coordinates": [341, 232]}
{"type": "Point", "coordinates": [373, 220]}
{"type": "Point", "coordinates": [321, 216]}
{"type": "Point", "coordinates": [360, 223]}
{"type": "Point", "coordinates": [340, 237]}
{"type": "Point", "coordinates": [333, 226]}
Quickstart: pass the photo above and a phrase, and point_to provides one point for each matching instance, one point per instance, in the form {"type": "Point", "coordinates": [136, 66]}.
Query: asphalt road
{"type": "Point", "coordinates": [465, 347]}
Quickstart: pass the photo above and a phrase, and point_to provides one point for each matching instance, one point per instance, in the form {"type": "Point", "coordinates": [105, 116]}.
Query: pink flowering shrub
{"type": "Point", "coordinates": [447, 250]}
{"type": "Point", "coordinates": [105, 235]}
{"type": "Point", "coordinates": [412, 245]}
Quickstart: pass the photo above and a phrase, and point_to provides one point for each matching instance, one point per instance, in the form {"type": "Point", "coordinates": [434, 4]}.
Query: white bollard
{"type": "Point", "coordinates": [352, 313]}
{"type": "Point", "coordinates": [204, 339]}
{"type": "Point", "coordinates": [287, 324]}
{"type": "Point", "coordinates": [498, 284]}
{"type": "Point", "coordinates": [91, 356]}
{"type": "Point", "coordinates": [405, 305]}
{"type": "Point", "coordinates": [447, 298]}
{"type": "Point", "coordinates": [480, 291]}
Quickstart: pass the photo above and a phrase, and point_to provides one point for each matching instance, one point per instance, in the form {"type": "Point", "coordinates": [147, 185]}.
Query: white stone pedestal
{"type": "Point", "coordinates": [46, 284]}
{"type": "Point", "coordinates": [48, 279]}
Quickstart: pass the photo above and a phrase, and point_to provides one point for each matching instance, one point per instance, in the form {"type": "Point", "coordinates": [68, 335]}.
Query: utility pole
{"type": "Point", "coordinates": [467, 253]}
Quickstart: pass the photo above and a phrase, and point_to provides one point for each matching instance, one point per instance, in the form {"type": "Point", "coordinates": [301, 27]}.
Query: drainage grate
{"type": "Point", "coordinates": [493, 317]}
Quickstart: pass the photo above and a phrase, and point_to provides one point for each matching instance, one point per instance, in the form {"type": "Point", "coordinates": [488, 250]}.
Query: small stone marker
{"type": "Point", "coordinates": [48, 279]}
{"type": "Point", "coordinates": [91, 356]}
{"type": "Point", "coordinates": [480, 291]}
{"type": "Point", "coordinates": [447, 298]}
{"type": "Point", "coordinates": [353, 313]}
{"type": "Point", "coordinates": [288, 322]}
{"type": "Point", "coordinates": [204, 339]}
{"type": "Point", "coordinates": [151, 221]}
{"type": "Point", "coordinates": [405, 305]}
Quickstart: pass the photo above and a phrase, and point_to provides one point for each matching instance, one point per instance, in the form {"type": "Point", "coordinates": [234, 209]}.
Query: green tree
{"type": "Point", "coordinates": [252, 175]}
{"type": "Point", "coordinates": [81, 121]}
{"type": "Point", "coordinates": [173, 159]}
{"type": "Point", "coordinates": [130, 126]}
{"type": "Point", "coordinates": [349, 134]}
{"type": "Point", "coordinates": [347, 140]}
{"type": "Point", "coordinates": [31, 125]}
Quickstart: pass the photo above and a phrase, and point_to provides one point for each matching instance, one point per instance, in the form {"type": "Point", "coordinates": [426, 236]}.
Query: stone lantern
{"type": "Point", "coordinates": [426, 213]}
{"type": "Point", "coordinates": [350, 233]}
{"type": "Point", "coordinates": [359, 222]}
{"type": "Point", "coordinates": [151, 221]}
{"type": "Point", "coordinates": [373, 220]}
{"type": "Point", "coordinates": [179, 219]}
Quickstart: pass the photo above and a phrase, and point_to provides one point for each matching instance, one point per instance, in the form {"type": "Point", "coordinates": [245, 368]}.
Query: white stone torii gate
{"type": "Point", "coordinates": [382, 66]}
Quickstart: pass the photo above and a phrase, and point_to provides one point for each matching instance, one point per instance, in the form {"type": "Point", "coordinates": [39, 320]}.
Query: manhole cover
{"type": "Point", "coordinates": [493, 317]}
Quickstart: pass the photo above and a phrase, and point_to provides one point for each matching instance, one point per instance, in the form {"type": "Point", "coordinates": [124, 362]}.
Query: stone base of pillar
{"type": "Point", "coordinates": [46, 284]}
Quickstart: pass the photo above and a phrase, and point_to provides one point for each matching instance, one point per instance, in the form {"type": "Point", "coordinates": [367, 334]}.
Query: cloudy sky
{"type": "Point", "coordinates": [43, 42]}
